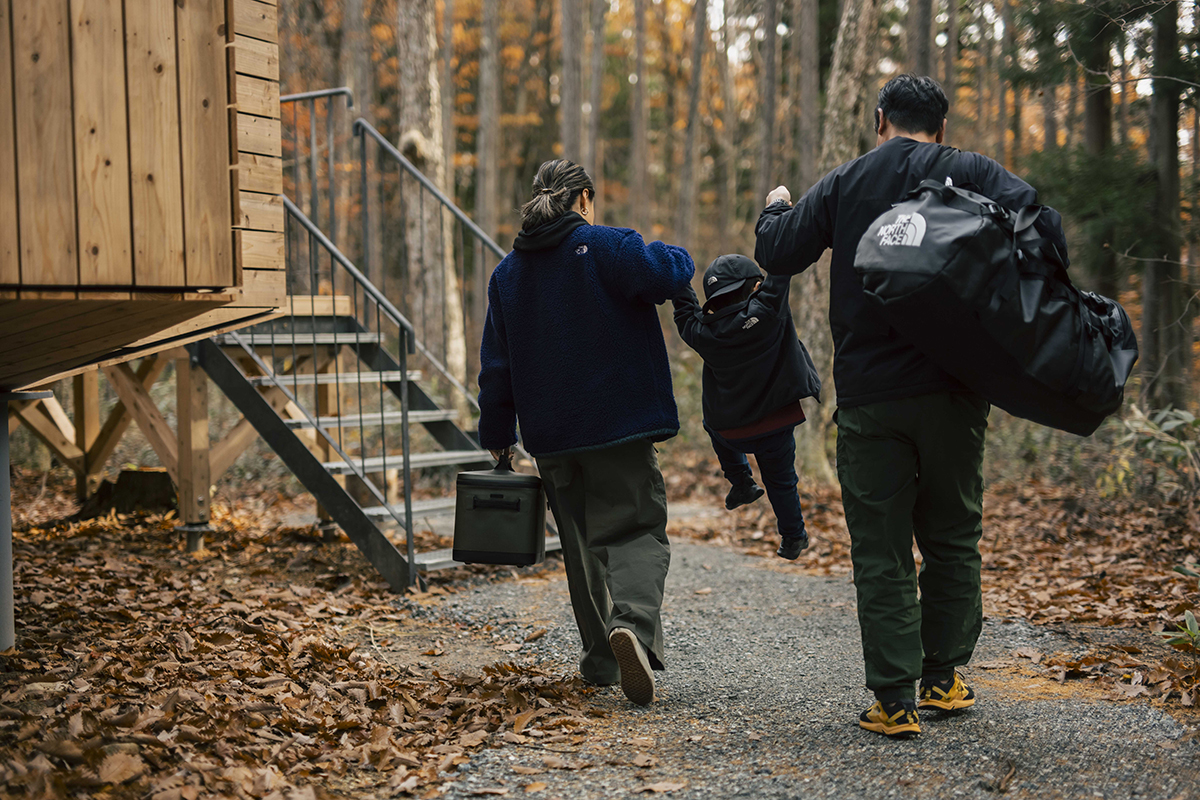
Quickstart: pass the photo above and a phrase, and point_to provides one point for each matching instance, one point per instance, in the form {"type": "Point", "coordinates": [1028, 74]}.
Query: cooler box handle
{"type": "Point", "coordinates": [498, 504]}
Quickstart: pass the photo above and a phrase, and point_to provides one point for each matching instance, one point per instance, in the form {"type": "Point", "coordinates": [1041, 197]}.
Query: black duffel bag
{"type": "Point", "coordinates": [976, 289]}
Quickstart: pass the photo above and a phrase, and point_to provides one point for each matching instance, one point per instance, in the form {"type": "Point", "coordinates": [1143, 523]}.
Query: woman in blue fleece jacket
{"type": "Point", "coordinates": [573, 350]}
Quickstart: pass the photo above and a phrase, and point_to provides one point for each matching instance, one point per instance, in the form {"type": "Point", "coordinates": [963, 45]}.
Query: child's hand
{"type": "Point", "coordinates": [779, 193]}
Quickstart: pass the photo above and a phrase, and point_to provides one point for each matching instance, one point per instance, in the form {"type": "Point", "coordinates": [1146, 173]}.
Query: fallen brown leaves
{"type": "Point", "coordinates": [1051, 554]}
{"type": "Point", "coordinates": [147, 672]}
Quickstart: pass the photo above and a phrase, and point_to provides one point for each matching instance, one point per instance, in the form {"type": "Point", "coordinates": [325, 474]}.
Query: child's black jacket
{"type": "Point", "coordinates": [753, 362]}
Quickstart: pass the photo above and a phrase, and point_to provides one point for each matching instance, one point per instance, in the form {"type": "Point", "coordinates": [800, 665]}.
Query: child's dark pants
{"type": "Point", "coordinates": [776, 456]}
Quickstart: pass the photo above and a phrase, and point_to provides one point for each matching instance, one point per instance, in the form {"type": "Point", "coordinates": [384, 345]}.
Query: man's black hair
{"type": "Point", "coordinates": [912, 104]}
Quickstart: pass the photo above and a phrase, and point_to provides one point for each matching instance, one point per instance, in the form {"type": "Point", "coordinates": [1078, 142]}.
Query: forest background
{"type": "Point", "coordinates": [686, 112]}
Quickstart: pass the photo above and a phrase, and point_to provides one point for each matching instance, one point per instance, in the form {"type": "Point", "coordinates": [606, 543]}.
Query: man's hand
{"type": "Point", "coordinates": [500, 455]}
{"type": "Point", "coordinates": [779, 193]}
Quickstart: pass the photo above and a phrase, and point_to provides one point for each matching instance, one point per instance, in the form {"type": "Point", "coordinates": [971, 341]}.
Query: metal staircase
{"type": "Point", "coordinates": [330, 386]}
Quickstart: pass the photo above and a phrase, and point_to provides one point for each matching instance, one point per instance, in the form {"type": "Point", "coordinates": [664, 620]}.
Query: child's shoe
{"type": "Point", "coordinates": [790, 546]}
{"type": "Point", "coordinates": [743, 494]}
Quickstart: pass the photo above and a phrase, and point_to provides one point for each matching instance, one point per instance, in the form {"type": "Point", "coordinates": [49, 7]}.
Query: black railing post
{"type": "Point", "coordinates": [332, 179]}
{"type": "Point", "coordinates": [312, 161]}
{"type": "Point", "coordinates": [404, 447]}
{"type": "Point", "coordinates": [366, 206]}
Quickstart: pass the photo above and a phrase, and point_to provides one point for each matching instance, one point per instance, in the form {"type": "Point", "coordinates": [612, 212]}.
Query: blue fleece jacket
{"type": "Point", "coordinates": [573, 346]}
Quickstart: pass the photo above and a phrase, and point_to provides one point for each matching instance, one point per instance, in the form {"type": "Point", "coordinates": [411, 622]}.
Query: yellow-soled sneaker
{"type": "Point", "coordinates": [897, 719]}
{"type": "Point", "coordinates": [948, 695]}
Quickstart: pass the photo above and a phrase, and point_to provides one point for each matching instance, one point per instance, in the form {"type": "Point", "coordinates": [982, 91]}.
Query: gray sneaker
{"type": "Point", "coordinates": [637, 679]}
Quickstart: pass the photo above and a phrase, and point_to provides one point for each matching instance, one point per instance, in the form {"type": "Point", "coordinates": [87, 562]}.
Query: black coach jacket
{"type": "Point", "coordinates": [871, 362]}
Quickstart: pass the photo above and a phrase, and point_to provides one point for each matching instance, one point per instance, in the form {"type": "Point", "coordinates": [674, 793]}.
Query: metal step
{"type": "Point", "coordinates": [386, 418]}
{"type": "Point", "coordinates": [343, 377]}
{"type": "Point", "coordinates": [440, 458]}
{"type": "Point", "coordinates": [437, 507]}
{"type": "Point", "coordinates": [444, 558]}
{"type": "Point", "coordinates": [300, 339]}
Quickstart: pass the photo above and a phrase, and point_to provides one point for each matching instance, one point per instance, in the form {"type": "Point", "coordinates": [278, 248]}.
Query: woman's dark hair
{"type": "Point", "coordinates": [912, 104]}
{"type": "Point", "coordinates": [555, 188]}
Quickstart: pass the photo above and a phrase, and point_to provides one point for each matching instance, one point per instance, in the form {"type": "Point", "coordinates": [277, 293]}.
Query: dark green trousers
{"type": "Point", "coordinates": [611, 509]}
{"type": "Point", "coordinates": [914, 468]}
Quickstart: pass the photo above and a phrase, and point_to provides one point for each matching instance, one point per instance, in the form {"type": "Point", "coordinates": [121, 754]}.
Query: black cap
{"type": "Point", "coordinates": [728, 274]}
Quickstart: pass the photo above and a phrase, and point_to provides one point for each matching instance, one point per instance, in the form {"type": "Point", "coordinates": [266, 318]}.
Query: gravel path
{"type": "Point", "coordinates": [763, 687]}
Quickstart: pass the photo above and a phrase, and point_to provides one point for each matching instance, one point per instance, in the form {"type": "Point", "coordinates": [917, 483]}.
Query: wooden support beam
{"type": "Point", "coordinates": [147, 416]}
{"type": "Point", "coordinates": [58, 415]}
{"type": "Point", "coordinates": [44, 427]}
{"type": "Point", "coordinates": [119, 419]}
{"type": "Point", "coordinates": [191, 400]}
{"type": "Point", "coordinates": [14, 419]}
{"type": "Point", "coordinates": [242, 435]}
{"type": "Point", "coordinates": [87, 428]}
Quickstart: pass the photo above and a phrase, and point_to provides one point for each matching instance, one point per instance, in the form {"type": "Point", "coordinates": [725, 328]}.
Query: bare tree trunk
{"type": "Point", "coordinates": [1010, 58]}
{"type": "Point", "coordinates": [1097, 100]}
{"type": "Point", "coordinates": [1166, 356]}
{"type": "Point", "coordinates": [791, 113]}
{"type": "Point", "coordinates": [766, 97]}
{"type": "Point", "coordinates": [433, 280]}
{"type": "Point", "coordinates": [920, 32]}
{"type": "Point", "coordinates": [640, 205]}
{"type": "Point", "coordinates": [983, 63]}
{"type": "Point", "coordinates": [847, 95]}
{"type": "Point", "coordinates": [687, 179]}
{"type": "Point", "coordinates": [591, 159]}
{"type": "Point", "coordinates": [1097, 136]}
{"type": "Point", "coordinates": [356, 72]}
{"type": "Point", "coordinates": [951, 52]}
{"type": "Point", "coordinates": [1049, 117]}
{"type": "Point", "coordinates": [727, 164]}
{"type": "Point", "coordinates": [1001, 65]}
{"type": "Point", "coordinates": [1123, 115]}
{"type": "Point", "coordinates": [449, 139]}
{"type": "Point", "coordinates": [1016, 126]}
{"type": "Point", "coordinates": [1072, 117]}
{"type": "Point", "coordinates": [487, 150]}
{"type": "Point", "coordinates": [810, 93]}
{"type": "Point", "coordinates": [571, 92]}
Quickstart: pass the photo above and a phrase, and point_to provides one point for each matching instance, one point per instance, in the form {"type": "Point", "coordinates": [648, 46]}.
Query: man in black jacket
{"type": "Point", "coordinates": [910, 437]}
{"type": "Point", "coordinates": [755, 373]}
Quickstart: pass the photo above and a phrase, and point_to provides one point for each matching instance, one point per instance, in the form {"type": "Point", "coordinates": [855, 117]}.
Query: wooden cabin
{"type": "Point", "coordinates": [140, 173]}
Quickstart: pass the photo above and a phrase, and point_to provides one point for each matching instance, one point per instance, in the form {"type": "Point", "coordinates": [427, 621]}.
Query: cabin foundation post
{"type": "Point", "coordinates": [195, 475]}
{"type": "Point", "coordinates": [87, 431]}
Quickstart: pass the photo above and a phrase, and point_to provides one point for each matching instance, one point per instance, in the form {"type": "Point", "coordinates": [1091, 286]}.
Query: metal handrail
{"type": "Point", "coordinates": [344, 90]}
{"type": "Point", "coordinates": [413, 345]}
{"type": "Point", "coordinates": [359, 278]}
{"type": "Point", "coordinates": [364, 128]}
{"type": "Point", "coordinates": [335, 444]}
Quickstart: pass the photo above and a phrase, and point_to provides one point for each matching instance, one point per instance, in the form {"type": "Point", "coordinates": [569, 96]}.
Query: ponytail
{"type": "Point", "coordinates": [555, 188]}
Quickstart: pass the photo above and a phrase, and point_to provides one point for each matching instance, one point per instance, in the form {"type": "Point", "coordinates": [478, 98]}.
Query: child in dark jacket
{"type": "Point", "coordinates": [755, 373]}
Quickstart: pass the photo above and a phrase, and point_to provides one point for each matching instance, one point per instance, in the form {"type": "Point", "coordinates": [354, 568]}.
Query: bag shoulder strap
{"type": "Point", "coordinates": [942, 165]}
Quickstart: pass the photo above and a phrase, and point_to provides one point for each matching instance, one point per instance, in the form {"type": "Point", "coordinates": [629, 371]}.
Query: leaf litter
{"type": "Point", "coordinates": [1050, 555]}
{"type": "Point", "coordinates": [145, 672]}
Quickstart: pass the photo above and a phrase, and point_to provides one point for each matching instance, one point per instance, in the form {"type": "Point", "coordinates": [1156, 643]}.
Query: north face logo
{"type": "Point", "coordinates": [907, 230]}
{"type": "Point", "coordinates": [712, 279]}
{"type": "Point", "coordinates": [750, 323]}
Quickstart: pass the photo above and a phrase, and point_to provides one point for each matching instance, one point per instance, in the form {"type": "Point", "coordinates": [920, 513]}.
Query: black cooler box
{"type": "Point", "coordinates": [500, 517]}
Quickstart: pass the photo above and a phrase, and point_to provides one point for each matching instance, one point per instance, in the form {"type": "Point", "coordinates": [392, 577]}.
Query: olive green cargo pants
{"type": "Point", "coordinates": [611, 509]}
{"type": "Point", "coordinates": [914, 467]}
